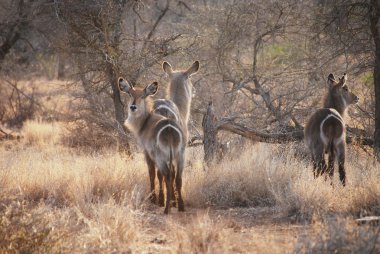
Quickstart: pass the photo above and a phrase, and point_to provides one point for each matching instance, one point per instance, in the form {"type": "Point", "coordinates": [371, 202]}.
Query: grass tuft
{"type": "Point", "coordinates": [54, 199]}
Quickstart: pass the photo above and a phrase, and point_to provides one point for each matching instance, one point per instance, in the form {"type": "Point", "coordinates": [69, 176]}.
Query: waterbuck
{"type": "Point", "coordinates": [176, 107]}
{"type": "Point", "coordinates": [161, 138]}
{"type": "Point", "coordinates": [325, 132]}
{"type": "Point", "coordinates": [179, 92]}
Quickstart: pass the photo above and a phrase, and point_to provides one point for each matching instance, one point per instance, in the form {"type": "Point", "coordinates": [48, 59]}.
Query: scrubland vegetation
{"type": "Point", "coordinates": [57, 199]}
{"type": "Point", "coordinates": [74, 180]}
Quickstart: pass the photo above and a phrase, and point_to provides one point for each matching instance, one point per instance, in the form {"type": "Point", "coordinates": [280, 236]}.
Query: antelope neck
{"type": "Point", "coordinates": [144, 123]}
{"type": "Point", "coordinates": [337, 105]}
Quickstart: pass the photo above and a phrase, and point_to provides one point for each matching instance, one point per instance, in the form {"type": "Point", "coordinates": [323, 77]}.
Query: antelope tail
{"type": "Point", "coordinates": [171, 161]}
{"type": "Point", "coordinates": [331, 147]}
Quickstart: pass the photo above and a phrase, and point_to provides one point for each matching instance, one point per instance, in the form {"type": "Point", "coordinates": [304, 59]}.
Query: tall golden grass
{"type": "Point", "coordinates": [340, 235]}
{"type": "Point", "coordinates": [54, 199]}
{"type": "Point", "coordinates": [39, 133]}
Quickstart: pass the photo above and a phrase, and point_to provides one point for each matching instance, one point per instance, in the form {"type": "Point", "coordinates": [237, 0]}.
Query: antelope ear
{"type": "Point", "coordinates": [124, 85]}
{"type": "Point", "coordinates": [193, 69]}
{"type": "Point", "coordinates": [167, 68]}
{"type": "Point", "coordinates": [151, 89]}
{"type": "Point", "coordinates": [344, 78]}
{"type": "Point", "coordinates": [331, 80]}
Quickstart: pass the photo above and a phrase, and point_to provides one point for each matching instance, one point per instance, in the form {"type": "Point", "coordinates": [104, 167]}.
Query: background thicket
{"type": "Point", "coordinates": [72, 178]}
{"type": "Point", "coordinates": [263, 64]}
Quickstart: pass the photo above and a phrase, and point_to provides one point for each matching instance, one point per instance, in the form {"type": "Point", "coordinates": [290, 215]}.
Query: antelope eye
{"type": "Point", "coordinates": [345, 88]}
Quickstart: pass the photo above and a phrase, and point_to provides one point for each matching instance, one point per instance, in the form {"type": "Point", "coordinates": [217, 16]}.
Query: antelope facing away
{"type": "Point", "coordinates": [176, 107]}
{"type": "Point", "coordinates": [161, 138]}
{"type": "Point", "coordinates": [179, 93]}
{"type": "Point", "coordinates": [325, 132]}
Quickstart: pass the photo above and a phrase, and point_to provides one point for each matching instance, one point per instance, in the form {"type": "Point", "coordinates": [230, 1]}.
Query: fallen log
{"type": "Point", "coordinates": [261, 136]}
{"type": "Point", "coordinates": [4, 135]}
{"type": "Point", "coordinates": [212, 125]}
{"type": "Point", "coordinates": [353, 135]}
{"type": "Point", "coordinates": [374, 220]}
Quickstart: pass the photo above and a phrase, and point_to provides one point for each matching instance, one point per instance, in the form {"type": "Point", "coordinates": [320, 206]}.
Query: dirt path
{"type": "Point", "coordinates": [236, 230]}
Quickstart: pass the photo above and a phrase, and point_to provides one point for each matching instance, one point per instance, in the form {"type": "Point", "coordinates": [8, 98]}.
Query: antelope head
{"type": "Point", "coordinates": [180, 77]}
{"type": "Point", "coordinates": [138, 104]}
{"type": "Point", "coordinates": [340, 92]}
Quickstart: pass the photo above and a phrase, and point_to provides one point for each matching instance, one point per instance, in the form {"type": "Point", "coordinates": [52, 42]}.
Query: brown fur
{"type": "Point", "coordinates": [161, 138]}
{"type": "Point", "coordinates": [179, 94]}
{"type": "Point", "coordinates": [325, 132]}
{"type": "Point", "coordinates": [180, 89]}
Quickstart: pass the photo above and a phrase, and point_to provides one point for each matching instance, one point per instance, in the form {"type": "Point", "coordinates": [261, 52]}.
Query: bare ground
{"type": "Point", "coordinates": [244, 230]}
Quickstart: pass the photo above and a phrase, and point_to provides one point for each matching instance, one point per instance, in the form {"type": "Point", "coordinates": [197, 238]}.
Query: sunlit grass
{"type": "Point", "coordinates": [57, 199]}
{"type": "Point", "coordinates": [42, 134]}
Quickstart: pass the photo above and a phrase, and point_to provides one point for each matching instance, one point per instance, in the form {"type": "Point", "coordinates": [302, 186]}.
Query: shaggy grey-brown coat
{"type": "Point", "coordinates": [325, 132]}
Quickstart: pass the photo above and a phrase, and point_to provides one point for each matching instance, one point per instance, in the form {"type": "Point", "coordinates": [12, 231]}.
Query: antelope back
{"type": "Point", "coordinates": [325, 127]}
{"type": "Point", "coordinates": [168, 135]}
{"type": "Point", "coordinates": [170, 110]}
{"type": "Point", "coordinates": [167, 108]}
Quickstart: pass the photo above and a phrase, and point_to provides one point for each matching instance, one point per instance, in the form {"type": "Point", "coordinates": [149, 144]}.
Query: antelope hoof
{"type": "Point", "coordinates": [161, 202]}
{"type": "Point", "coordinates": [181, 207]}
{"type": "Point", "coordinates": [166, 211]}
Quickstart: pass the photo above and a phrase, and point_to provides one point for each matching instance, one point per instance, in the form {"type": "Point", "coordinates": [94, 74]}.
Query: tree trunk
{"type": "Point", "coordinates": [14, 33]}
{"type": "Point", "coordinates": [10, 40]}
{"type": "Point", "coordinates": [61, 72]}
{"type": "Point", "coordinates": [119, 107]}
{"type": "Point", "coordinates": [375, 29]}
{"type": "Point", "coordinates": [210, 131]}
{"type": "Point", "coordinates": [119, 110]}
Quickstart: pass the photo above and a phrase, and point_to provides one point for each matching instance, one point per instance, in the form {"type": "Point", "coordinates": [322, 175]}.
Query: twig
{"type": "Point", "coordinates": [24, 94]}
{"type": "Point", "coordinates": [7, 134]}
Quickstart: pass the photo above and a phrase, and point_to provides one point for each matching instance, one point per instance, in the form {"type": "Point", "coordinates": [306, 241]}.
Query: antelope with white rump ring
{"type": "Point", "coordinates": [180, 92]}
{"type": "Point", "coordinates": [176, 107]}
{"type": "Point", "coordinates": [161, 138]}
{"type": "Point", "coordinates": [325, 132]}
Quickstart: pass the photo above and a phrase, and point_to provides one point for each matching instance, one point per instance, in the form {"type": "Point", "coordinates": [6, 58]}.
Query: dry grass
{"type": "Point", "coordinates": [203, 235]}
{"type": "Point", "coordinates": [337, 235]}
{"type": "Point", "coordinates": [262, 176]}
{"type": "Point", "coordinates": [41, 134]}
{"type": "Point", "coordinates": [59, 200]}
{"type": "Point", "coordinates": [59, 178]}
{"type": "Point", "coordinates": [95, 228]}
